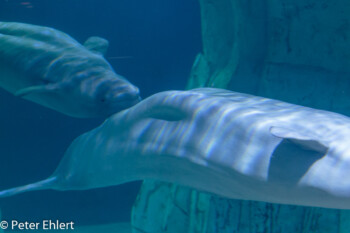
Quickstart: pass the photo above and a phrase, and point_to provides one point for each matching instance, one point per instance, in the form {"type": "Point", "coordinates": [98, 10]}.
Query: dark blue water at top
{"type": "Point", "coordinates": [152, 43]}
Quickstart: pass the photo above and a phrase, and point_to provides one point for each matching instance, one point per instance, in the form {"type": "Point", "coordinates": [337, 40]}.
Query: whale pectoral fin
{"type": "Point", "coordinates": [34, 89]}
{"type": "Point", "coordinates": [97, 45]}
{"type": "Point", "coordinates": [304, 140]}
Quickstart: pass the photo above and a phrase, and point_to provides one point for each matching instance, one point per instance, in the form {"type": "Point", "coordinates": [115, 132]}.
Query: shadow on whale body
{"type": "Point", "coordinates": [50, 68]}
{"type": "Point", "coordinates": [226, 143]}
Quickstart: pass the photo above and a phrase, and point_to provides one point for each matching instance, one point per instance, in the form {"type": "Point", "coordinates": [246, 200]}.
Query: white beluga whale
{"type": "Point", "coordinates": [226, 143]}
{"type": "Point", "coordinates": [50, 68]}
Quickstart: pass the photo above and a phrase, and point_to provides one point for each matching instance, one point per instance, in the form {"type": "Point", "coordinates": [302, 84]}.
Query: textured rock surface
{"type": "Point", "coordinates": [297, 51]}
{"type": "Point", "coordinates": [169, 208]}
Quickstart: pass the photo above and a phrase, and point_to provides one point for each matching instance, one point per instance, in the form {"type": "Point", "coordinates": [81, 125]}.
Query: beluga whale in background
{"type": "Point", "coordinates": [50, 68]}
{"type": "Point", "coordinates": [226, 143]}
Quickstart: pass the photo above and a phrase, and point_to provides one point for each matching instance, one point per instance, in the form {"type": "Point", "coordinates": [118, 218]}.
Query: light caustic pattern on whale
{"type": "Point", "coordinates": [50, 68]}
{"type": "Point", "coordinates": [226, 143]}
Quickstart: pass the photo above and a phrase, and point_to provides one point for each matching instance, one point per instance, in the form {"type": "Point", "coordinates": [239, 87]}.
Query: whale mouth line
{"type": "Point", "coordinates": [132, 101]}
{"type": "Point", "coordinates": [125, 94]}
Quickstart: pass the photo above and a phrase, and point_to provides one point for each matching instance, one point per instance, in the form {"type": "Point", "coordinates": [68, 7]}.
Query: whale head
{"type": "Point", "coordinates": [87, 88]}
{"type": "Point", "coordinates": [98, 96]}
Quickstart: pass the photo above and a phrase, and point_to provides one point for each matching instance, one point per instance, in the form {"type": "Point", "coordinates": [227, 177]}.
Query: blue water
{"type": "Point", "coordinates": [152, 43]}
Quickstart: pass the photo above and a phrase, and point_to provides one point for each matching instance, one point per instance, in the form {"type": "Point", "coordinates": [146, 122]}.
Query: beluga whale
{"type": "Point", "coordinates": [50, 68]}
{"type": "Point", "coordinates": [226, 143]}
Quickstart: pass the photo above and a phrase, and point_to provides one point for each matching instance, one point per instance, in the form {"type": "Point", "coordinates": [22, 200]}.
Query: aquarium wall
{"type": "Point", "coordinates": [297, 51]}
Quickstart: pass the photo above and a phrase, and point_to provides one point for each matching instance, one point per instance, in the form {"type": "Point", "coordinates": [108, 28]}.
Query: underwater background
{"type": "Point", "coordinates": [152, 43]}
{"type": "Point", "coordinates": [295, 51]}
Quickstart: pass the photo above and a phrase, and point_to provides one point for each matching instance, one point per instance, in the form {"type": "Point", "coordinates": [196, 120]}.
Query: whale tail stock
{"type": "Point", "coordinates": [40, 185]}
